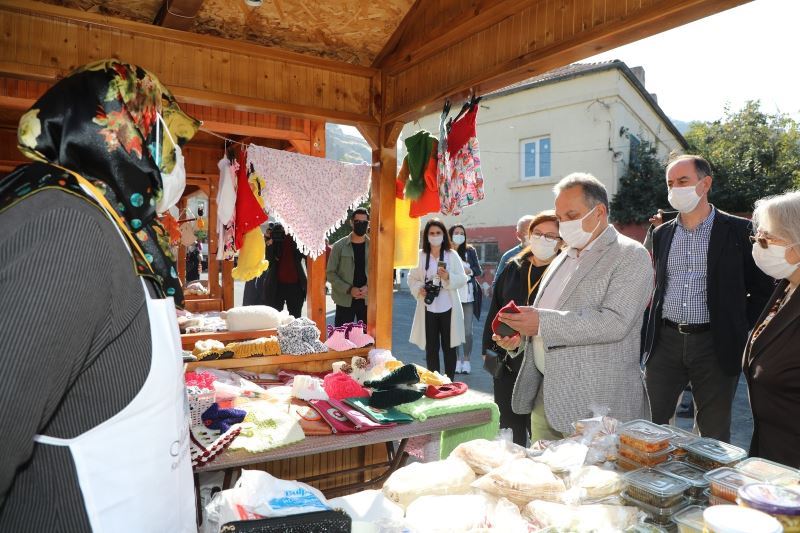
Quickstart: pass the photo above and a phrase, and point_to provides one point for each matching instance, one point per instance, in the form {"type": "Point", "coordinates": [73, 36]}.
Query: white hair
{"type": "Point", "coordinates": [594, 192]}
{"type": "Point", "coordinates": [779, 215]}
{"type": "Point", "coordinates": [524, 222]}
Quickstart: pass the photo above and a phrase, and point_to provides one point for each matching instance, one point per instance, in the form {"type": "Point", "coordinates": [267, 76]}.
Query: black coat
{"type": "Point", "coordinates": [772, 369]}
{"type": "Point", "coordinates": [263, 289]}
{"type": "Point", "coordinates": [477, 291]}
{"type": "Point", "coordinates": [736, 288]}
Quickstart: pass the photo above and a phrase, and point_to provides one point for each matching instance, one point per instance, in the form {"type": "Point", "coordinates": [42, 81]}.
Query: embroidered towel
{"type": "Point", "coordinates": [309, 195]}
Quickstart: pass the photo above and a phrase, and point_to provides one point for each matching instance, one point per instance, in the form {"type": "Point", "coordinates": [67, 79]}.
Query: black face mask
{"type": "Point", "coordinates": [360, 227]}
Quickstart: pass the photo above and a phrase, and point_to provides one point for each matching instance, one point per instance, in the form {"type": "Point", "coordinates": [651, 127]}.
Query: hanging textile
{"type": "Point", "coordinates": [429, 201]}
{"type": "Point", "coordinates": [226, 209]}
{"type": "Point", "coordinates": [406, 228]}
{"type": "Point", "coordinates": [249, 217]}
{"type": "Point", "coordinates": [419, 147]}
{"type": "Point", "coordinates": [249, 210]}
{"type": "Point", "coordinates": [459, 166]}
{"type": "Point", "coordinates": [309, 195]}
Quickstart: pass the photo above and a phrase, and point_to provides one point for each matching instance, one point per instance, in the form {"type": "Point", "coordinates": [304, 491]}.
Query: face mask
{"type": "Point", "coordinates": [459, 239]}
{"type": "Point", "coordinates": [684, 199]}
{"type": "Point", "coordinates": [772, 261]}
{"type": "Point", "coordinates": [174, 183]}
{"type": "Point", "coordinates": [360, 227]}
{"type": "Point", "coordinates": [436, 240]}
{"type": "Point", "coordinates": [573, 234]}
{"type": "Point", "coordinates": [542, 249]}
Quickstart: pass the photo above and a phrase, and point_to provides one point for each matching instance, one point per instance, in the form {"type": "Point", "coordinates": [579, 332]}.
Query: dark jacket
{"type": "Point", "coordinates": [772, 369]}
{"type": "Point", "coordinates": [737, 289]}
{"type": "Point", "coordinates": [263, 289]}
{"type": "Point", "coordinates": [477, 291]}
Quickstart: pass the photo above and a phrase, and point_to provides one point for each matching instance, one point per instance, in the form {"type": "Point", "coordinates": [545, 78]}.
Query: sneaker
{"type": "Point", "coordinates": [458, 367]}
{"type": "Point", "coordinates": [465, 368]}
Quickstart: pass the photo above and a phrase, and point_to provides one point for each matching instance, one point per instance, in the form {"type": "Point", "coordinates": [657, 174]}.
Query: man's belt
{"type": "Point", "coordinates": [688, 329]}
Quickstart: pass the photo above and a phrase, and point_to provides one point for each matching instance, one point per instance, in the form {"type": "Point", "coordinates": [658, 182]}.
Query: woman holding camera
{"type": "Point", "coordinates": [439, 318]}
{"type": "Point", "coordinates": [519, 281]}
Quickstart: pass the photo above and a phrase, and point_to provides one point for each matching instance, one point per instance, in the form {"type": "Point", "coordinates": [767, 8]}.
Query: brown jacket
{"type": "Point", "coordinates": [772, 369]}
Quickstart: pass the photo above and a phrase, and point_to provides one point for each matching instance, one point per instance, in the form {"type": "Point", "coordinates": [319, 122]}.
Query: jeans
{"type": "Point", "coordinates": [466, 348]}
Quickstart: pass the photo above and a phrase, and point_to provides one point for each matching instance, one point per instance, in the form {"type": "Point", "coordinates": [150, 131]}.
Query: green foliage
{"type": "Point", "coordinates": [753, 154]}
{"type": "Point", "coordinates": [642, 189]}
{"type": "Point", "coordinates": [347, 149]}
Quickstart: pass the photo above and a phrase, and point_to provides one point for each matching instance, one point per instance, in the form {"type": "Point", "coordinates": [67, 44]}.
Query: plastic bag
{"type": "Point", "coordinates": [451, 476]}
{"type": "Point", "coordinates": [580, 518]}
{"type": "Point", "coordinates": [591, 484]}
{"type": "Point", "coordinates": [454, 513]}
{"type": "Point", "coordinates": [505, 517]}
{"type": "Point", "coordinates": [564, 456]}
{"type": "Point", "coordinates": [522, 480]}
{"type": "Point", "coordinates": [257, 494]}
{"type": "Point", "coordinates": [371, 511]}
{"type": "Point", "coordinates": [484, 455]}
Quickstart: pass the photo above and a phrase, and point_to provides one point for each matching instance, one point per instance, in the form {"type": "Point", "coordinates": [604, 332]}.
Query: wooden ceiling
{"type": "Point", "coordinates": [351, 31]}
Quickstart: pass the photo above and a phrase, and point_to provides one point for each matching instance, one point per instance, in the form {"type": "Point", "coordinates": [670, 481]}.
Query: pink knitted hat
{"type": "Point", "coordinates": [340, 386]}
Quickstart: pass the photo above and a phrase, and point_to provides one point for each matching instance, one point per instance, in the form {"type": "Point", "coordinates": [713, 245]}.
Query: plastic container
{"type": "Point", "coordinates": [655, 488]}
{"type": "Point", "coordinates": [680, 438]}
{"type": "Point", "coordinates": [725, 482]}
{"type": "Point", "coordinates": [626, 465]}
{"type": "Point", "coordinates": [645, 528]}
{"type": "Point", "coordinates": [694, 476]}
{"type": "Point", "coordinates": [778, 502]}
{"type": "Point", "coordinates": [764, 469]}
{"type": "Point", "coordinates": [790, 481]}
{"type": "Point", "coordinates": [735, 519]}
{"type": "Point", "coordinates": [715, 500]}
{"type": "Point", "coordinates": [645, 436]}
{"type": "Point", "coordinates": [661, 516]}
{"type": "Point", "coordinates": [709, 454]}
{"type": "Point", "coordinates": [645, 458]}
{"type": "Point", "coordinates": [690, 519]}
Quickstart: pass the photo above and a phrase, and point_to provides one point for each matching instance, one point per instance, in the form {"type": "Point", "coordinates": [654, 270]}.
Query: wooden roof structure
{"type": "Point", "coordinates": [280, 70]}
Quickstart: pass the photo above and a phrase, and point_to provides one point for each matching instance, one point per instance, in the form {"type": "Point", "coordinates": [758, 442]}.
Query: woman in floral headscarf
{"type": "Point", "coordinates": [94, 427]}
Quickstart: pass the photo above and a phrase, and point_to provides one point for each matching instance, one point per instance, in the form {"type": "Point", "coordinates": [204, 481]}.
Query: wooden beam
{"type": "Point", "coordinates": [177, 14]}
{"type": "Point", "coordinates": [525, 38]}
{"type": "Point", "coordinates": [393, 43]}
{"type": "Point", "coordinates": [252, 131]}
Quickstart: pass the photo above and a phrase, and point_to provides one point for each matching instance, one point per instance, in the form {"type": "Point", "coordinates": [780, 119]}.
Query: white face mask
{"type": "Point", "coordinates": [543, 249]}
{"type": "Point", "coordinates": [684, 199]}
{"type": "Point", "coordinates": [174, 183]}
{"type": "Point", "coordinates": [436, 240]}
{"type": "Point", "coordinates": [459, 239]}
{"type": "Point", "coordinates": [573, 234]}
{"type": "Point", "coordinates": [772, 261]}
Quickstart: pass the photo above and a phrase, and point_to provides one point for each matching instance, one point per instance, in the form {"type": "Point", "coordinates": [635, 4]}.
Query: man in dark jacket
{"type": "Point", "coordinates": [707, 296]}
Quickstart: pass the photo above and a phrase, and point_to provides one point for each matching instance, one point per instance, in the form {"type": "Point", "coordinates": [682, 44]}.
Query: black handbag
{"type": "Point", "coordinates": [495, 364]}
{"type": "Point", "coordinates": [336, 521]}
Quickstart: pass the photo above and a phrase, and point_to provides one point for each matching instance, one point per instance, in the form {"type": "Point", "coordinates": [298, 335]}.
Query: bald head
{"type": "Point", "coordinates": [522, 227]}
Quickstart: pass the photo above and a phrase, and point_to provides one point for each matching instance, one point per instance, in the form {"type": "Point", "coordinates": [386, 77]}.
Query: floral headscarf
{"type": "Point", "coordinates": [100, 122]}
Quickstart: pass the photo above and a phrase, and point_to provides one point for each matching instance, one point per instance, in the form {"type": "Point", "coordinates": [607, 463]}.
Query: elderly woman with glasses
{"type": "Point", "coordinates": [772, 354]}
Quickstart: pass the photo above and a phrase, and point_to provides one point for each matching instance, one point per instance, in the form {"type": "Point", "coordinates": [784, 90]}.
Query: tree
{"type": "Point", "coordinates": [642, 190]}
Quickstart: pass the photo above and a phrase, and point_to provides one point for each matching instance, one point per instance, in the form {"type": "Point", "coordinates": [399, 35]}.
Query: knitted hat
{"type": "Point", "coordinates": [405, 375]}
{"type": "Point", "coordinates": [300, 336]}
{"type": "Point", "coordinates": [222, 419]}
{"type": "Point", "coordinates": [383, 399]}
{"type": "Point", "coordinates": [501, 328]}
{"type": "Point", "coordinates": [419, 148]}
{"type": "Point", "coordinates": [445, 391]}
{"type": "Point", "coordinates": [308, 388]}
{"type": "Point", "coordinates": [340, 386]}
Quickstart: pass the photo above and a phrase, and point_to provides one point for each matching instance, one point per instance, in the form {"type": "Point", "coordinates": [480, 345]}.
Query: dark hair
{"type": "Point", "coordinates": [463, 247]}
{"type": "Point", "coordinates": [547, 215]}
{"type": "Point", "coordinates": [701, 166]}
{"type": "Point", "coordinates": [426, 245]}
{"type": "Point", "coordinates": [359, 211]}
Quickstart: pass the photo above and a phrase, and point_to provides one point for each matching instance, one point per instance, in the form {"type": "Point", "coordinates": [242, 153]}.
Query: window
{"type": "Point", "coordinates": [633, 157]}
{"type": "Point", "coordinates": [488, 252]}
{"type": "Point", "coordinates": [535, 158]}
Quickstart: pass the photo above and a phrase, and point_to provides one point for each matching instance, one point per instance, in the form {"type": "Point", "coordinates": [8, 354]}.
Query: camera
{"type": "Point", "coordinates": [431, 291]}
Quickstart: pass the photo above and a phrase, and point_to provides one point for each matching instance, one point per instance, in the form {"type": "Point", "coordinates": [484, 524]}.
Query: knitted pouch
{"type": "Point", "coordinates": [502, 329]}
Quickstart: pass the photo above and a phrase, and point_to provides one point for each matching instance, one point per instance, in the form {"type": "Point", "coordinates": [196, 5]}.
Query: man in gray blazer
{"type": "Point", "coordinates": [581, 337]}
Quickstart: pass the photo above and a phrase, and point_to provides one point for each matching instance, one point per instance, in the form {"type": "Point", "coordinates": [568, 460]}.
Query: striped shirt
{"type": "Point", "coordinates": [685, 296]}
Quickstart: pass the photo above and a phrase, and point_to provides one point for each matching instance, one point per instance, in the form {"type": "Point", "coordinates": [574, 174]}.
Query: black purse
{"type": "Point", "coordinates": [336, 521]}
{"type": "Point", "coordinates": [495, 364]}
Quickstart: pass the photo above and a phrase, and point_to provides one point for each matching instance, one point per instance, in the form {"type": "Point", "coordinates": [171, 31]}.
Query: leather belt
{"type": "Point", "coordinates": [688, 329]}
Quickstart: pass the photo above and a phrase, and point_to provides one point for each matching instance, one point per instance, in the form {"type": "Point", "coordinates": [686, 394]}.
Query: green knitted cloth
{"type": "Point", "coordinates": [425, 408]}
{"type": "Point", "coordinates": [419, 148]}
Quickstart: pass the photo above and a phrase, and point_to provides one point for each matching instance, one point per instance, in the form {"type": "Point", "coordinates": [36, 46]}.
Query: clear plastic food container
{"type": "Point", "coordinates": [764, 469]}
{"type": "Point", "coordinates": [644, 436]}
{"type": "Point", "coordinates": [644, 527]}
{"type": "Point", "coordinates": [694, 476]}
{"type": "Point", "coordinates": [655, 488]}
{"type": "Point", "coordinates": [626, 465]}
{"type": "Point", "coordinates": [715, 500]}
{"type": "Point", "coordinates": [661, 516]}
{"type": "Point", "coordinates": [680, 438]}
{"type": "Point", "coordinates": [735, 519]}
{"type": "Point", "coordinates": [689, 519]}
{"type": "Point", "coordinates": [645, 458]}
{"type": "Point", "coordinates": [709, 454]}
{"type": "Point", "coordinates": [778, 502]}
{"type": "Point", "coordinates": [725, 482]}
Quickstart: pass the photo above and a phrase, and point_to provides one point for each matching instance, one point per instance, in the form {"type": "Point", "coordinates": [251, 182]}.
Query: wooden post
{"type": "Point", "coordinates": [181, 259]}
{"type": "Point", "coordinates": [213, 265]}
{"type": "Point", "coordinates": [315, 298]}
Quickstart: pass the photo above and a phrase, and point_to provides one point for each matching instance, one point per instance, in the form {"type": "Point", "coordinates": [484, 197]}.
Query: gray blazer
{"type": "Point", "coordinates": [592, 340]}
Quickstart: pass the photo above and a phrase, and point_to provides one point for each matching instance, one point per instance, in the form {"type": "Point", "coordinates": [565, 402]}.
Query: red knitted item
{"type": "Point", "coordinates": [340, 386]}
{"type": "Point", "coordinates": [504, 330]}
{"type": "Point", "coordinates": [249, 213]}
{"type": "Point", "coordinates": [445, 391]}
{"type": "Point", "coordinates": [429, 201]}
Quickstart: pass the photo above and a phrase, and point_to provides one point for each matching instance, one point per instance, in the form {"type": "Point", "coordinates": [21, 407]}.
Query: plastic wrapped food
{"type": "Point", "coordinates": [484, 455]}
{"type": "Point", "coordinates": [451, 476]}
{"type": "Point", "coordinates": [595, 483]}
{"type": "Point", "coordinates": [778, 502]}
{"type": "Point", "coordinates": [644, 436]}
{"type": "Point", "coordinates": [715, 500]}
{"type": "Point", "coordinates": [466, 512]}
{"type": "Point", "coordinates": [564, 456]}
{"type": "Point", "coordinates": [690, 519]}
{"type": "Point", "coordinates": [521, 481]}
{"type": "Point", "coordinates": [735, 519]}
{"type": "Point", "coordinates": [725, 482]}
{"type": "Point", "coordinates": [655, 488]}
{"type": "Point", "coordinates": [645, 458]}
{"type": "Point", "coordinates": [680, 438]}
{"type": "Point", "coordinates": [580, 518]}
{"type": "Point", "coordinates": [626, 465]}
{"type": "Point", "coordinates": [658, 515]}
{"type": "Point", "coordinates": [765, 469]}
{"type": "Point", "coordinates": [694, 476]}
{"type": "Point", "coordinates": [709, 454]}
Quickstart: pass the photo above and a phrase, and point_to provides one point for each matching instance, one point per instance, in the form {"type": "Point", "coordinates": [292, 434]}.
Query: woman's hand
{"type": "Point", "coordinates": [421, 293]}
{"type": "Point", "coordinates": [526, 321]}
{"type": "Point", "coordinates": [443, 274]}
{"type": "Point", "coordinates": [507, 343]}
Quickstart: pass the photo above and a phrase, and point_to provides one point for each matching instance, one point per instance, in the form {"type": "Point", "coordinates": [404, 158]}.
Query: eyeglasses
{"type": "Point", "coordinates": [548, 237]}
{"type": "Point", "coordinates": [762, 241]}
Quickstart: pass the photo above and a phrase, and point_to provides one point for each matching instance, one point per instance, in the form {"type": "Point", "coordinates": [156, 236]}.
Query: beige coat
{"type": "Point", "coordinates": [458, 278]}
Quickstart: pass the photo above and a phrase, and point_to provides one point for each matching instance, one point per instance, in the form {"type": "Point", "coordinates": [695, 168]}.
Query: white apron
{"type": "Point", "coordinates": [134, 469]}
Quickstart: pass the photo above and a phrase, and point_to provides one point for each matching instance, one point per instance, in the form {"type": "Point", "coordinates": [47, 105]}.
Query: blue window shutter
{"type": "Point", "coordinates": [530, 159]}
{"type": "Point", "coordinates": [544, 156]}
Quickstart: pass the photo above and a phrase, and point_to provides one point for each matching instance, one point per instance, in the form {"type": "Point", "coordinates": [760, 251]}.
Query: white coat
{"type": "Point", "coordinates": [458, 278]}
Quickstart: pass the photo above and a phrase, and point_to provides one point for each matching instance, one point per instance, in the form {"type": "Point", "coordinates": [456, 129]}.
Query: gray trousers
{"type": "Point", "coordinates": [678, 360]}
{"type": "Point", "coordinates": [466, 348]}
